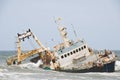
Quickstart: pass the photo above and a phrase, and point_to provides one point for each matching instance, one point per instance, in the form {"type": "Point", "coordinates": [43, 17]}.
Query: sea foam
{"type": "Point", "coordinates": [31, 65]}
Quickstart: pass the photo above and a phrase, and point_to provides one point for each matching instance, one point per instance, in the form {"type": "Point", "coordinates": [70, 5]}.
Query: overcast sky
{"type": "Point", "coordinates": [95, 21]}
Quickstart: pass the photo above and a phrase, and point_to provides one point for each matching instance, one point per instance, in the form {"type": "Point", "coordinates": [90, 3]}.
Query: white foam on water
{"type": "Point", "coordinates": [39, 63]}
{"type": "Point", "coordinates": [17, 76]}
{"type": "Point", "coordinates": [26, 76]}
{"type": "Point", "coordinates": [117, 66]}
{"type": "Point", "coordinates": [110, 74]}
{"type": "Point", "coordinates": [1, 75]}
{"type": "Point", "coordinates": [107, 74]}
{"type": "Point", "coordinates": [55, 76]}
{"type": "Point", "coordinates": [3, 70]}
{"type": "Point", "coordinates": [31, 65]}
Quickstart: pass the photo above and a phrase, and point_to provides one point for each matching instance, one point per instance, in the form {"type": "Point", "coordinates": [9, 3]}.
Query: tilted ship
{"type": "Point", "coordinates": [68, 56]}
{"type": "Point", "coordinates": [78, 57]}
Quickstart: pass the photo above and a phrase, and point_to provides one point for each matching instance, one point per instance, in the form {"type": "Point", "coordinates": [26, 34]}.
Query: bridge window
{"type": "Point", "coordinates": [79, 49]}
{"type": "Point", "coordinates": [84, 46]}
{"type": "Point", "coordinates": [65, 55]}
{"type": "Point", "coordinates": [76, 50]}
{"type": "Point", "coordinates": [62, 57]}
{"type": "Point", "coordinates": [71, 53]}
{"type": "Point", "coordinates": [68, 54]}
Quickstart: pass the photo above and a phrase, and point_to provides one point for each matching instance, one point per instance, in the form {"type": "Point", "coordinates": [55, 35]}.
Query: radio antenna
{"type": "Point", "coordinates": [74, 31]}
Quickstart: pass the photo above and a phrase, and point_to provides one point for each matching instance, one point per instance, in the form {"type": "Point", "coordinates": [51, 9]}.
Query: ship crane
{"type": "Point", "coordinates": [22, 56]}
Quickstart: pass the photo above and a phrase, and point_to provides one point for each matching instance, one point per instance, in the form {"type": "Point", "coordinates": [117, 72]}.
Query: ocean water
{"type": "Point", "coordinates": [30, 71]}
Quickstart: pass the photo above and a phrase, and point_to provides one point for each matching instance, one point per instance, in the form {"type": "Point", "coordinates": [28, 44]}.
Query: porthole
{"type": "Point", "coordinates": [62, 57]}
{"type": "Point", "coordinates": [68, 54]}
{"type": "Point", "coordinates": [65, 55]}
{"type": "Point", "coordinates": [71, 53]}
{"type": "Point", "coordinates": [76, 50]}
{"type": "Point", "coordinates": [84, 46]}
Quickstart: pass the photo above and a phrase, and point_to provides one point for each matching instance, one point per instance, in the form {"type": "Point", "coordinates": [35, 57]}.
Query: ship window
{"type": "Point", "coordinates": [68, 54]}
{"type": "Point", "coordinates": [76, 50]}
{"type": "Point", "coordinates": [62, 57]}
{"type": "Point", "coordinates": [65, 55]}
{"type": "Point", "coordinates": [84, 46]}
{"type": "Point", "coordinates": [79, 49]}
{"type": "Point", "coordinates": [71, 53]}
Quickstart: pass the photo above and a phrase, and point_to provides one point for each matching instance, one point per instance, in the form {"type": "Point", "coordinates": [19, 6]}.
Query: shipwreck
{"type": "Point", "coordinates": [68, 56]}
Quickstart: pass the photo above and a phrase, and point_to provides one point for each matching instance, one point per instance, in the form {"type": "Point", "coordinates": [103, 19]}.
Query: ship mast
{"type": "Point", "coordinates": [63, 33]}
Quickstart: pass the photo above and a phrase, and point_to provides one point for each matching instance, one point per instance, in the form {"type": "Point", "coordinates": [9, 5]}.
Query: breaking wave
{"type": "Point", "coordinates": [31, 71]}
{"type": "Point", "coordinates": [3, 70]}
{"type": "Point", "coordinates": [31, 65]}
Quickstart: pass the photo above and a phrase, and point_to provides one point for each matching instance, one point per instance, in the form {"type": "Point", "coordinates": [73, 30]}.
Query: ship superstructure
{"type": "Point", "coordinates": [78, 57]}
